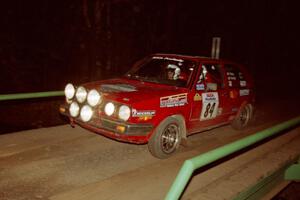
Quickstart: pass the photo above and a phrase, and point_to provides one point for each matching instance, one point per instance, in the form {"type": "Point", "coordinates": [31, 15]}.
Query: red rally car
{"type": "Point", "coordinates": [163, 99]}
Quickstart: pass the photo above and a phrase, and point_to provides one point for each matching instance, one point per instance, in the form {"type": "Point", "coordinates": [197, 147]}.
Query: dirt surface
{"type": "Point", "coordinates": [48, 162]}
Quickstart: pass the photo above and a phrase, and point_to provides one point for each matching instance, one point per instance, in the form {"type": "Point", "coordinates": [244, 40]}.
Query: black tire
{"type": "Point", "coordinates": [243, 118]}
{"type": "Point", "coordinates": [166, 138]}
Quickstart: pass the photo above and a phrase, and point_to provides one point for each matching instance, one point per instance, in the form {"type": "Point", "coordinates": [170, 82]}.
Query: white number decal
{"type": "Point", "coordinates": [209, 110]}
{"type": "Point", "coordinates": [210, 105]}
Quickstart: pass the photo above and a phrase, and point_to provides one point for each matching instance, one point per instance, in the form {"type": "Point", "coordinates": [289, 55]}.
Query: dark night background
{"type": "Point", "coordinates": [45, 44]}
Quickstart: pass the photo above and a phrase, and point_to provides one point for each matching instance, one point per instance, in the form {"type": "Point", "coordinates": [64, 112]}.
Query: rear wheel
{"type": "Point", "coordinates": [166, 138]}
{"type": "Point", "coordinates": [243, 118]}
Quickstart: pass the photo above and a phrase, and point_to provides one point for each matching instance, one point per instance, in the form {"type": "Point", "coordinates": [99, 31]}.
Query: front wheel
{"type": "Point", "coordinates": [243, 117]}
{"type": "Point", "coordinates": [166, 138]}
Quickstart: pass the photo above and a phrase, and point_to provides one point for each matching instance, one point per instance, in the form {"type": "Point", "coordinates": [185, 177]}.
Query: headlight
{"type": "Point", "coordinates": [109, 109]}
{"type": "Point", "coordinates": [93, 97]}
{"type": "Point", "coordinates": [74, 109]}
{"type": "Point", "coordinates": [69, 91]}
{"type": "Point", "coordinates": [124, 112]}
{"type": "Point", "coordinates": [86, 113]}
{"type": "Point", "coordinates": [81, 94]}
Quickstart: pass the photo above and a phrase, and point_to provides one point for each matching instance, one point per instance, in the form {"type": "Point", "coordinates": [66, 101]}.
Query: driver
{"type": "Point", "coordinates": [173, 72]}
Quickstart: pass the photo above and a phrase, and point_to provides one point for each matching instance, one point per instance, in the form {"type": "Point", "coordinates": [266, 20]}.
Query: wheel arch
{"type": "Point", "coordinates": [178, 117]}
{"type": "Point", "coordinates": [181, 119]}
{"type": "Point", "coordinates": [155, 142]}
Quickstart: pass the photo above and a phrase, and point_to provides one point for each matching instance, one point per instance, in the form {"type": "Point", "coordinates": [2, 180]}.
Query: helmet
{"type": "Point", "coordinates": [176, 70]}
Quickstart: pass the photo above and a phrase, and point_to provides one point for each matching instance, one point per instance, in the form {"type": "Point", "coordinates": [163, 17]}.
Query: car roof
{"type": "Point", "coordinates": [193, 58]}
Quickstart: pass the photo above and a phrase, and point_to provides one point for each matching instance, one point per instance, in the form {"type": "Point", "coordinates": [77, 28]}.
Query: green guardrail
{"type": "Point", "coordinates": [192, 164]}
{"type": "Point", "coordinates": [293, 172]}
{"type": "Point", "coordinates": [4, 97]}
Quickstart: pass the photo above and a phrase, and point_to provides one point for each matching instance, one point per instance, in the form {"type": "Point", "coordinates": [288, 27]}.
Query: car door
{"type": "Point", "coordinates": [237, 85]}
{"type": "Point", "coordinates": [208, 97]}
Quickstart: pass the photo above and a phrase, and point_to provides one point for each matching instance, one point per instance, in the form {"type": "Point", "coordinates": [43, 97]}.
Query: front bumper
{"type": "Point", "coordinates": [123, 131]}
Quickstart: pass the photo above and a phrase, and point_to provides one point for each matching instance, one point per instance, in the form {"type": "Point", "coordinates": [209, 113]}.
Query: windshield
{"type": "Point", "coordinates": [164, 70]}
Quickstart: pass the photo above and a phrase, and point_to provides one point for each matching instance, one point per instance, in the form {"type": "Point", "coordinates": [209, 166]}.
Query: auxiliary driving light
{"type": "Point", "coordinates": [109, 109]}
{"type": "Point", "coordinates": [86, 113]}
{"type": "Point", "coordinates": [74, 109]}
{"type": "Point", "coordinates": [69, 91]}
{"type": "Point", "coordinates": [124, 112]}
{"type": "Point", "coordinates": [93, 97]}
{"type": "Point", "coordinates": [81, 94]}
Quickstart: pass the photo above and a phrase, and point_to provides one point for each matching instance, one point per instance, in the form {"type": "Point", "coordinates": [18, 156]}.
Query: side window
{"type": "Point", "coordinates": [235, 78]}
{"type": "Point", "coordinates": [211, 74]}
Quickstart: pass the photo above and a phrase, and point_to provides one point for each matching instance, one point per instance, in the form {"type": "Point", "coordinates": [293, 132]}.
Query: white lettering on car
{"type": "Point", "coordinates": [167, 58]}
{"type": "Point", "coordinates": [143, 113]}
{"type": "Point", "coordinates": [244, 92]}
{"type": "Point", "coordinates": [243, 83]}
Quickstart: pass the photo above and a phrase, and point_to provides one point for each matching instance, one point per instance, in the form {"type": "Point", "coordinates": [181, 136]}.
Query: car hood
{"type": "Point", "coordinates": [131, 91]}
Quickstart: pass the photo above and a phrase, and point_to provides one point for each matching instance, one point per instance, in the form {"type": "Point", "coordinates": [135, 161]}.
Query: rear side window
{"type": "Point", "coordinates": [235, 77]}
{"type": "Point", "coordinates": [211, 73]}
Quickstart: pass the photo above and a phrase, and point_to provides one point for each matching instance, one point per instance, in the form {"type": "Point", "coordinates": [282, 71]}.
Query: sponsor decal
{"type": "Point", "coordinates": [230, 74]}
{"type": "Point", "coordinates": [231, 78]}
{"type": "Point", "coordinates": [143, 113]}
{"type": "Point", "coordinates": [167, 58]}
{"type": "Point", "coordinates": [197, 97]}
{"type": "Point", "coordinates": [244, 92]}
{"type": "Point", "coordinates": [211, 96]}
{"type": "Point", "coordinates": [200, 86]}
{"type": "Point", "coordinates": [243, 83]}
{"type": "Point", "coordinates": [210, 104]}
{"type": "Point", "coordinates": [173, 100]}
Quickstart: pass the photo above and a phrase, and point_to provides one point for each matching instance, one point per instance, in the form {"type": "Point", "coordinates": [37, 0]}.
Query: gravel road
{"type": "Point", "coordinates": [43, 163]}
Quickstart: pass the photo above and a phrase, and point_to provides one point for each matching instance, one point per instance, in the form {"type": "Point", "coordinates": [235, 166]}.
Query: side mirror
{"type": "Point", "coordinates": [211, 86]}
